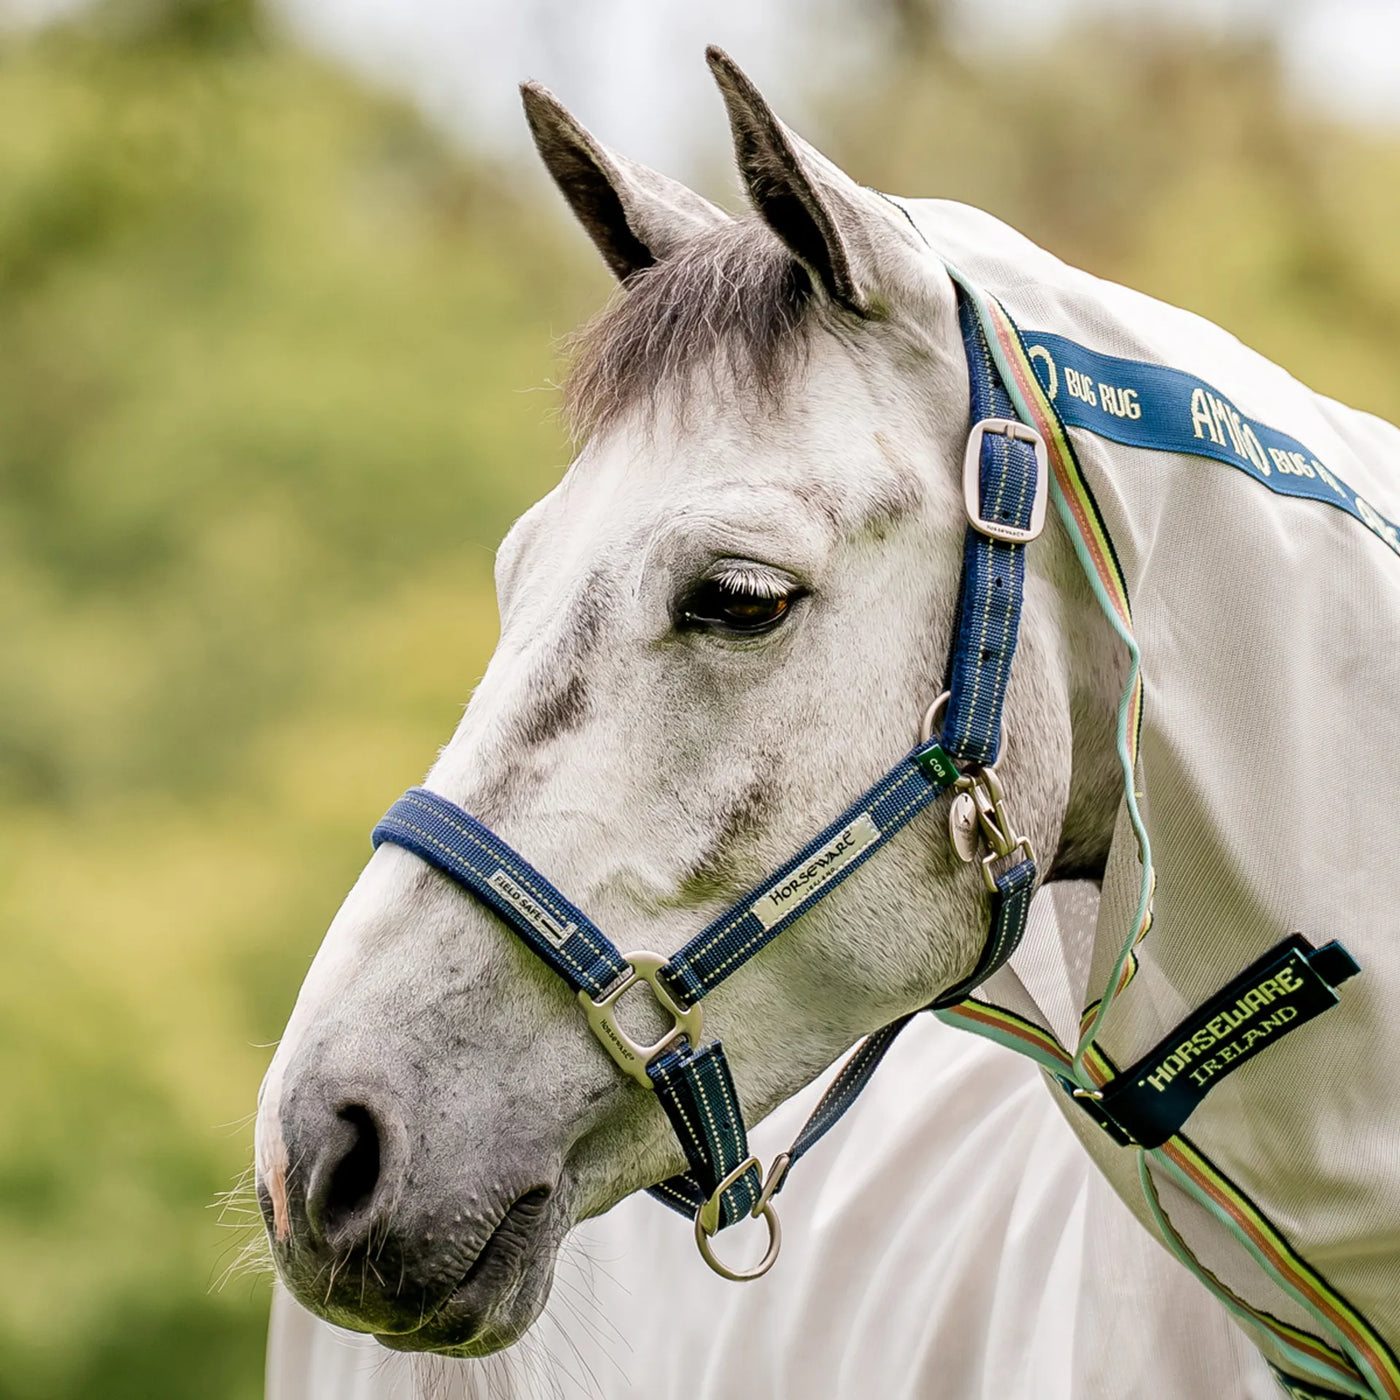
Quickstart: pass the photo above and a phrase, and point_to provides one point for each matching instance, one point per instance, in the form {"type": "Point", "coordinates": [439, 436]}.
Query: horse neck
{"type": "Point", "coordinates": [1092, 664]}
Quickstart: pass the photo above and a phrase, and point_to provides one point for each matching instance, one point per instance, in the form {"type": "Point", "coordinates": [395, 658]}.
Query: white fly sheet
{"type": "Point", "coordinates": [950, 1237]}
{"type": "Point", "coordinates": [1268, 774]}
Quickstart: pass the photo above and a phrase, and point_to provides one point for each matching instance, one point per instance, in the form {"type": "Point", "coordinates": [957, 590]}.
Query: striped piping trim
{"type": "Point", "coordinates": [1008, 1029]}
{"type": "Point", "coordinates": [1304, 1351]}
{"type": "Point", "coordinates": [1074, 499]}
{"type": "Point", "coordinates": [1130, 967]}
{"type": "Point", "coordinates": [1196, 1173]}
{"type": "Point", "coordinates": [1372, 1370]}
{"type": "Point", "coordinates": [1376, 1369]}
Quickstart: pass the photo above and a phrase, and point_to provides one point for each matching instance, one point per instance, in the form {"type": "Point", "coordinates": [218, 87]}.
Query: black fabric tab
{"type": "Point", "coordinates": [1283, 990]}
{"type": "Point", "coordinates": [1334, 964]}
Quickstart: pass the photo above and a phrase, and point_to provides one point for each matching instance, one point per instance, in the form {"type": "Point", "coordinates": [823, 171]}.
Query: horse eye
{"type": "Point", "coordinates": [731, 608]}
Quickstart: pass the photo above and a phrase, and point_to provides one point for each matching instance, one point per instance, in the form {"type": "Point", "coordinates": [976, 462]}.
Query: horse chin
{"type": "Point", "coordinates": [479, 1316]}
{"type": "Point", "coordinates": [496, 1301]}
{"type": "Point", "coordinates": [413, 1286]}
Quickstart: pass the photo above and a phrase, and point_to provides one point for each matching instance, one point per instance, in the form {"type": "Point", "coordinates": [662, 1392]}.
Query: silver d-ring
{"type": "Point", "coordinates": [931, 720]}
{"type": "Point", "coordinates": [931, 717]}
{"type": "Point", "coordinates": [707, 1223]}
{"type": "Point", "coordinates": [775, 1243]}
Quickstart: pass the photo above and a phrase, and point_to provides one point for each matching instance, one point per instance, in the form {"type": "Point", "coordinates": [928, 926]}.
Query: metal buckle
{"type": "Point", "coordinates": [972, 481]}
{"type": "Point", "coordinates": [629, 1056]}
{"type": "Point", "coordinates": [707, 1222]}
{"type": "Point", "coordinates": [990, 802]}
{"type": "Point", "coordinates": [980, 802]}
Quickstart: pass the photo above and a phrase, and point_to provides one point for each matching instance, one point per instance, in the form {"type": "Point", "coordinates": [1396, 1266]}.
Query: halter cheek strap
{"type": "Point", "coordinates": [1005, 481]}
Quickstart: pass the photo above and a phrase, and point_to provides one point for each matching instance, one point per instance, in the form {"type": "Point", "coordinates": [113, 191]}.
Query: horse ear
{"type": "Point", "coordinates": [839, 230]}
{"type": "Point", "coordinates": [633, 214]}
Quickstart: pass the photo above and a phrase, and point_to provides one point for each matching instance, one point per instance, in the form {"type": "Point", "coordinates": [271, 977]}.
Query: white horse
{"type": "Point", "coordinates": [720, 628]}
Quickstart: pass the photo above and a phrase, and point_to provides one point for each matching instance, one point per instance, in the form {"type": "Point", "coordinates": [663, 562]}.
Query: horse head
{"type": "Point", "coordinates": [722, 625]}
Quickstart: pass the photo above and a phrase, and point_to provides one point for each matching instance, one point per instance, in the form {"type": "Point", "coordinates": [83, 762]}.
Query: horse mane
{"type": "Point", "coordinates": [730, 298]}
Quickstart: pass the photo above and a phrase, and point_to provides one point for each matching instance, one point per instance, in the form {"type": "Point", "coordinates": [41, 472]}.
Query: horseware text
{"type": "Point", "coordinates": [1212, 1036]}
{"type": "Point", "coordinates": [797, 887]}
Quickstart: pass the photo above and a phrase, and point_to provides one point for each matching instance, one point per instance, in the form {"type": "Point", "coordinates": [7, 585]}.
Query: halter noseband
{"type": "Point", "coordinates": [1005, 486]}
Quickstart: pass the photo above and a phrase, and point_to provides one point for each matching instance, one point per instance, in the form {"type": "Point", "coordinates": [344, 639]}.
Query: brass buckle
{"type": "Point", "coordinates": [630, 1056]}
{"type": "Point", "coordinates": [707, 1222]}
{"type": "Point", "coordinates": [972, 481]}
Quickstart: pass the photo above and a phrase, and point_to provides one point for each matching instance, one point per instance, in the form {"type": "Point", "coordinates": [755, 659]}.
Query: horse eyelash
{"type": "Point", "coordinates": [746, 578]}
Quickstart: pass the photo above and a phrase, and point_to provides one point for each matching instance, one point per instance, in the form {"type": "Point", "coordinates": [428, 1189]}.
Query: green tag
{"type": "Point", "coordinates": [937, 766]}
{"type": "Point", "coordinates": [1272, 997]}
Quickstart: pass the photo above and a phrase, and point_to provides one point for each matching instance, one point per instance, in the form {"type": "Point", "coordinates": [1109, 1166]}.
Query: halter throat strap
{"type": "Point", "coordinates": [1005, 481]}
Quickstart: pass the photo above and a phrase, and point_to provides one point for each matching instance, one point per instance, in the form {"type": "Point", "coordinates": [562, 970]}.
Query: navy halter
{"type": "Point", "coordinates": [1005, 484]}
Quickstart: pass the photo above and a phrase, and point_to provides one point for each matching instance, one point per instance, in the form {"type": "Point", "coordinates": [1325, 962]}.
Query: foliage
{"type": "Point", "coordinates": [262, 342]}
{"type": "Point", "coordinates": [1170, 162]}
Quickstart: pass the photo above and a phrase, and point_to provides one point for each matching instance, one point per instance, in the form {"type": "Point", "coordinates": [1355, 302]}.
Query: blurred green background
{"type": "Point", "coordinates": [274, 368]}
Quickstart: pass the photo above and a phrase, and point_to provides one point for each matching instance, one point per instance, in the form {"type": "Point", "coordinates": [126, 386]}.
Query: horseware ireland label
{"type": "Point", "coordinates": [1283, 990]}
{"type": "Point", "coordinates": [795, 888]}
{"type": "Point", "coordinates": [530, 909]}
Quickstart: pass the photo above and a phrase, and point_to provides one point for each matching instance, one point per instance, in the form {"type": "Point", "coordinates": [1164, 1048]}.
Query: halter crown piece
{"type": "Point", "coordinates": [1005, 485]}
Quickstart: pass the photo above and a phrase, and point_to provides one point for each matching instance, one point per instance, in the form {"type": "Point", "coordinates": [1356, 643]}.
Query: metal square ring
{"type": "Point", "coordinates": [629, 1055]}
{"type": "Point", "coordinates": [972, 481]}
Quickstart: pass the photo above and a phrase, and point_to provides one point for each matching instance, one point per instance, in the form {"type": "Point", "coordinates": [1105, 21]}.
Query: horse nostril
{"type": "Point", "coordinates": [352, 1181]}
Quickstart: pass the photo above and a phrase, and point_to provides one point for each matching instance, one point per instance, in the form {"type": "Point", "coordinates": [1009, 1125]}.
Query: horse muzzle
{"type": "Point", "coordinates": [373, 1231]}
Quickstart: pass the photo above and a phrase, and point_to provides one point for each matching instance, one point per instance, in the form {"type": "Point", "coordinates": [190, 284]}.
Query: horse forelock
{"type": "Point", "coordinates": [731, 301]}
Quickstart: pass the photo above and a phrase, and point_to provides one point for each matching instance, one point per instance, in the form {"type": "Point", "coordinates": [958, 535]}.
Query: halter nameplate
{"type": "Point", "coordinates": [788, 895]}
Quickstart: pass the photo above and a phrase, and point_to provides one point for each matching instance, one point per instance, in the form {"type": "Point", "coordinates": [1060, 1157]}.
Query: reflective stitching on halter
{"type": "Point", "coordinates": [987, 552]}
{"type": "Point", "coordinates": [580, 931]}
{"type": "Point", "coordinates": [561, 949]}
{"type": "Point", "coordinates": [744, 947]}
{"type": "Point", "coordinates": [734, 1116]}
{"type": "Point", "coordinates": [1002, 658]}
{"type": "Point", "coordinates": [721, 933]}
{"type": "Point", "coordinates": [680, 1108]}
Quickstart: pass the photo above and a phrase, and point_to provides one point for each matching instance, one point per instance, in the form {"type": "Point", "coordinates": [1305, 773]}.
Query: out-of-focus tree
{"type": "Point", "coordinates": [262, 337]}
{"type": "Point", "coordinates": [1156, 156]}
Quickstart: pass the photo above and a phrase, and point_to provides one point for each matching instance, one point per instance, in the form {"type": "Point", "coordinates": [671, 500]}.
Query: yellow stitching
{"type": "Point", "coordinates": [762, 933]}
{"type": "Point", "coordinates": [685, 1118]}
{"type": "Point", "coordinates": [987, 601]}
{"type": "Point", "coordinates": [1003, 659]}
{"type": "Point", "coordinates": [734, 1117]}
{"type": "Point", "coordinates": [720, 934]}
{"type": "Point", "coordinates": [739, 918]}
{"type": "Point", "coordinates": [710, 1118]}
{"type": "Point", "coordinates": [705, 1104]}
{"type": "Point", "coordinates": [544, 899]}
{"type": "Point", "coordinates": [418, 831]}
